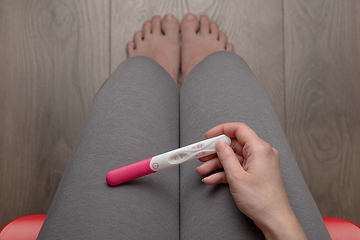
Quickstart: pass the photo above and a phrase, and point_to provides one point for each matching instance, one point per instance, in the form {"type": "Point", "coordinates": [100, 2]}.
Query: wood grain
{"type": "Point", "coordinates": [56, 54]}
{"type": "Point", "coordinates": [254, 27]}
{"type": "Point", "coordinates": [322, 72]}
{"type": "Point", "coordinates": [54, 57]}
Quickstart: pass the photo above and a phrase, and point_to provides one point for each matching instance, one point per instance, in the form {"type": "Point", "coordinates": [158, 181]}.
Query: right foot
{"type": "Point", "coordinates": [194, 47]}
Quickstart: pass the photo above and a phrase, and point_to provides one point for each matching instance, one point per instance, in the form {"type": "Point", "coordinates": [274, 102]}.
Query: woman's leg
{"type": "Point", "coordinates": [134, 116]}
{"type": "Point", "coordinates": [220, 89]}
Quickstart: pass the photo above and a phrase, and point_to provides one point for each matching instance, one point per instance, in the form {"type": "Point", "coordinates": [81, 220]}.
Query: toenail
{"type": "Point", "coordinates": [157, 17]}
{"type": "Point", "coordinates": [204, 17]}
{"type": "Point", "coordinates": [190, 16]}
{"type": "Point", "coordinates": [168, 17]}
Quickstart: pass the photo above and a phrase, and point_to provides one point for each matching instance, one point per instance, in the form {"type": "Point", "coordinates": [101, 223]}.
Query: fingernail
{"type": "Point", "coordinates": [219, 146]}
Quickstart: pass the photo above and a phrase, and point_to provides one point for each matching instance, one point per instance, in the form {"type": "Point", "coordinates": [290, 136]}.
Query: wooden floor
{"type": "Point", "coordinates": [56, 54]}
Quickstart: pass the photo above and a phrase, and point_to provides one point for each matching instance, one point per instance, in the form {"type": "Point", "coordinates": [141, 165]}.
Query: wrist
{"type": "Point", "coordinates": [282, 227]}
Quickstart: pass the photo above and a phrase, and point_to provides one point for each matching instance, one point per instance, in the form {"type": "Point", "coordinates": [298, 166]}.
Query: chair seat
{"type": "Point", "coordinates": [340, 229]}
{"type": "Point", "coordinates": [24, 228]}
{"type": "Point", "coordinates": [28, 228]}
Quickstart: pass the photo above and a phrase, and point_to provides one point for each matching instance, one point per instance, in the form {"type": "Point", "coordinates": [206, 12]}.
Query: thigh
{"type": "Point", "coordinates": [133, 117]}
{"type": "Point", "coordinates": [220, 89]}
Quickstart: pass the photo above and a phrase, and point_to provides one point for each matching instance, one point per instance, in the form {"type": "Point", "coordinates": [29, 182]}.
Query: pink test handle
{"type": "Point", "coordinates": [129, 172]}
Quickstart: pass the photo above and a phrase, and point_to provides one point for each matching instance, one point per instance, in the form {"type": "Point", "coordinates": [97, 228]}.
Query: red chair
{"type": "Point", "coordinates": [24, 228]}
{"type": "Point", "coordinates": [342, 229]}
{"type": "Point", "coordinates": [28, 227]}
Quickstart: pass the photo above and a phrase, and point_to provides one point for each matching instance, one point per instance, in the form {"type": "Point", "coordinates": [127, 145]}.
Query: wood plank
{"type": "Point", "coordinates": [322, 72]}
{"type": "Point", "coordinates": [54, 57]}
{"type": "Point", "coordinates": [254, 27]}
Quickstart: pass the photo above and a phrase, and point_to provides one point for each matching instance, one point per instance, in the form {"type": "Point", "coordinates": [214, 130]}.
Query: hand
{"type": "Point", "coordinates": [252, 170]}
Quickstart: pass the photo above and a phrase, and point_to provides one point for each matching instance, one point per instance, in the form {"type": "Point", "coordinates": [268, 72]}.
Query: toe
{"type": "Point", "coordinates": [156, 22]}
{"type": "Point", "coordinates": [138, 37]}
{"type": "Point", "coordinates": [147, 28]}
{"type": "Point", "coordinates": [204, 25]}
{"type": "Point", "coordinates": [130, 47]}
{"type": "Point", "coordinates": [222, 38]}
{"type": "Point", "coordinates": [189, 24]}
{"type": "Point", "coordinates": [170, 26]}
{"type": "Point", "coordinates": [229, 47]}
{"type": "Point", "coordinates": [214, 29]}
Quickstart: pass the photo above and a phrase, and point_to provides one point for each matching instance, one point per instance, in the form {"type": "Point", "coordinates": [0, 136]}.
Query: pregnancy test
{"type": "Point", "coordinates": [164, 161]}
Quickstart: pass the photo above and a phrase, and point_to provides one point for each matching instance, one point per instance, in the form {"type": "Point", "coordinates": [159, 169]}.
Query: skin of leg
{"type": "Point", "coordinates": [220, 89]}
{"type": "Point", "coordinates": [133, 117]}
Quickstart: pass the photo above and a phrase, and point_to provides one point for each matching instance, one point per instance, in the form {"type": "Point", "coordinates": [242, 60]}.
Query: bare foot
{"type": "Point", "coordinates": [164, 49]}
{"type": "Point", "coordinates": [194, 47]}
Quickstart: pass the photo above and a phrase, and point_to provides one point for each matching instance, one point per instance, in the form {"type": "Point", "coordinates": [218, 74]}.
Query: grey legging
{"type": "Point", "coordinates": [138, 113]}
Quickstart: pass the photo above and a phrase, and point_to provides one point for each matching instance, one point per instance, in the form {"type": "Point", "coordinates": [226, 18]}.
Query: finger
{"type": "Point", "coordinates": [240, 158]}
{"type": "Point", "coordinates": [228, 160]}
{"type": "Point", "coordinates": [204, 159]}
{"type": "Point", "coordinates": [209, 166]}
{"type": "Point", "coordinates": [214, 164]}
{"type": "Point", "coordinates": [220, 129]}
{"type": "Point", "coordinates": [240, 131]}
{"type": "Point", "coordinates": [215, 178]}
{"type": "Point", "coordinates": [236, 146]}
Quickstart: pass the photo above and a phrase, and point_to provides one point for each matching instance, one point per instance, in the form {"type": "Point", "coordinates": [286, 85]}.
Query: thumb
{"type": "Point", "coordinates": [228, 160]}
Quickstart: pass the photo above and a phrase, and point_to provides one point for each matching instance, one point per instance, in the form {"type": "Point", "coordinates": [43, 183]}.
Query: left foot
{"type": "Point", "coordinates": [164, 49]}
